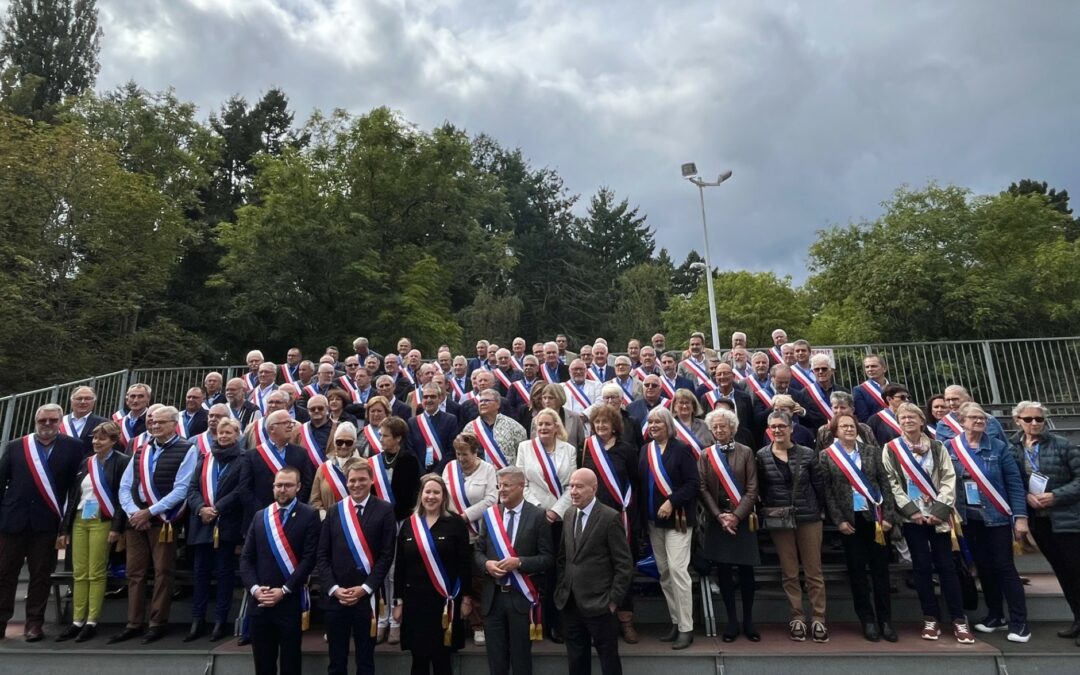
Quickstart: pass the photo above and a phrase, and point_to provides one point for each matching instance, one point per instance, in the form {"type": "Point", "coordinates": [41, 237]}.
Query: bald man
{"type": "Point", "coordinates": [265, 460]}
{"type": "Point", "coordinates": [949, 426]}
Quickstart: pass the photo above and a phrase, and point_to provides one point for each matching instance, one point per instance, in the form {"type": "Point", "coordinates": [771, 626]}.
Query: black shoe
{"type": "Point", "coordinates": [556, 636]}
{"type": "Point", "coordinates": [670, 635]}
{"type": "Point", "coordinates": [125, 635]}
{"type": "Point", "coordinates": [888, 633]}
{"type": "Point", "coordinates": [243, 641]}
{"type": "Point", "coordinates": [870, 632]}
{"type": "Point", "coordinates": [88, 632]}
{"type": "Point", "coordinates": [153, 635]}
{"type": "Point", "coordinates": [684, 640]}
{"type": "Point", "coordinates": [1072, 631]}
{"type": "Point", "coordinates": [218, 633]}
{"type": "Point", "coordinates": [198, 629]}
{"type": "Point", "coordinates": [731, 631]}
{"type": "Point", "coordinates": [751, 633]}
{"type": "Point", "coordinates": [70, 632]}
{"type": "Point", "coordinates": [34, 635]}
{"type": "Point", "coordinates": [3, 629]}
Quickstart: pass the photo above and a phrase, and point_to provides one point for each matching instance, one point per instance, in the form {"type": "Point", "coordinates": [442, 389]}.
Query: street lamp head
{"type": "Point", "coordinates": [697, 267]}
{"type": "Point", "coordinates": [689, 169]}
{"type": "Point", "coordinates": [723, 177]}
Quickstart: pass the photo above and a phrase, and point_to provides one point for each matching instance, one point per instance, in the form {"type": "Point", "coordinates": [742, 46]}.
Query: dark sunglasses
{"type": "Point", "coordinates": [344, 442]}
{"type": "Point", "coordinates": [1029, 420]}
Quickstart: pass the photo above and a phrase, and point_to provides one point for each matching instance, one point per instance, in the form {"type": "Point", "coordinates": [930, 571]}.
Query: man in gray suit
{"type": "Point", "coordinates": [508, 614]}
{"type": "Point", "coordinates": [595, 569]}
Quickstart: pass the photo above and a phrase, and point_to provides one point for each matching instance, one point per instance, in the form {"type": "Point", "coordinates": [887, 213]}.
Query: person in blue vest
{"type": "Point", "coordinates": [36, 474]}
{"type": "Point", "coordinates": [279, 555]}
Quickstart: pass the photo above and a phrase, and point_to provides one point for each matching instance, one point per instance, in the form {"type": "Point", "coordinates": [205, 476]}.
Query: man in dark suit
{"type": "Point", "coordinates": [552, 369]}
{"type": "Point", "coordinates": [670, 379]}
{"type": "Point", "coordinates": [401, 384]}
{"type": "Point", "coordinates": [724, 388]}
{"type": "Point", "coordinates": [214, 389]}
{"type": "Point", "coordinates": [81, 421]}
{"type": "Point", "coordinates": [780, 383]}
{"type": "Point", "coordinates": [263, 462]}
{"type": "Point", "coordinates": [595, 569]}
{"type": "Point", "coordinates": [36, 475]}
{"type": "Point", "coordinates": [193, 419]}
{"type": "Point", "coordinates": [448, 404]}
{"type": "Point", "coordinates": [276, 580]}
{"type": "Point", "coordinates": [432, 432]}
{"type": "Point", "coordinates": [600, 368]}
{"type": "Point", "coordinates": [384, 386]}
{"type": "Point", "coordinates": [133, 421]}
{"type": "Point", "coordinates": [503, 605]}
{"type": "Point", "coordinates": [820, 411]}
{"type": "Point", "coordinates": [480, 361]}
{"type": "Point", "coordinates": [352, 582]}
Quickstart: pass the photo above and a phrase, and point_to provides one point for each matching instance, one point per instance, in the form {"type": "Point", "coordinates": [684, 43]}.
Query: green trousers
{"type": "Point", "coordinates": [89, 559]}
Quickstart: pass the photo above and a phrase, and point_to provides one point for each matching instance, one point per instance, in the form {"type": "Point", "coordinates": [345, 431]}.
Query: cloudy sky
{"type": "Point", "coordinates": [820, 108]}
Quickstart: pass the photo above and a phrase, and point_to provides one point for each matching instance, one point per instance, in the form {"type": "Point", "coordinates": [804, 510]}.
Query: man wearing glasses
{"type": "Point", "coordinates": [266, 459]}
{"type": "Point", "coordinates": [36, 474]}
{"type": "Point", "coordinates": [884, 423]}
{"type": "Point", "coordinates": [870, 395]}
{"type": "Point", "coordinates": [820, 411]}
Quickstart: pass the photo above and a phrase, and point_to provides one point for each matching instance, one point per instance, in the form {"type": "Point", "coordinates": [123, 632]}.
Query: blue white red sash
{"type": "Point", "coordinates": [96, 471]}
{"type": "Point", "coordinates": [350, 387]}
{"type": "Point", "coordinates": [686, 435]}
{"type": "Point", "coordinates": [306, 437]}
{"type": "Point", "coordinates": [380, 478]}
{"type": "Point", "coordinates": [251, 381]}
{"type": "Point", "coordinates": [121, 420]}
{"type": "Point", "coordinates": [817, 395]}
{"type": "Point", "coordinates": [455, 484]}
{"type": "Point", "coordinates": [595, 447]}
{"type": "Point", "coordinates": [664, 403]}
{"type": "Point", "coordinates": [516, 364]}
{"type": "Point", "coordinates": [259, 399]}
{"type": "Point", "coordinates": [67, 425]}
{"type": "Point", "coordinates": [889, 418]}
{"type": "Point", "coordinates": [500, 541]}
{"type": "Point", "coordinates": [522, 390]}
{"type": "Point", "coordinates": [208, 480]}
{"type": "Point", "coordinates": [146, 465]}
{"type": "Point", "coordinates": [977, 470]}
{"type": "Point", "coordinates": [334, 478]}
{"type": "Point", "coordinates": [776, 354]}
{"type": "Point", "coordinates": [270, 457]}
{"type": "Point", "coordinates": [279, 543]}
{"type": "Point", "coordinates": [374, 439]}
{"type": "Point", "coordinates": [466, 397]}
{"type": "Point", "coordinates": [310, 390]}
{"type": "Point", "coordinates": [806, 379]}
{"type": "Point", "coordinates": [503, 378]}
{"type": "Point", "coordinates": [760, 391]}
{"type": "Point", "coordinates": [577, 393]}
{"type": "Point", "coordinates": [953, 423]}
{"type": "Point", "coordinates": [286, 374]}
{"type": "Point", "coordinates": [437, 573]}
{"type": "Point", "coordinates": [640, 373]}
{"type": "Point", "coordinates": [456, 390]}
{"type": "Point", "coordinates": [408, 375]}
{"type": "Point", "coordinates": [912, 468]}
{"type": "Point", "coordinates": [657, 473]}
{"type": "Point", "coordinates": [853, 473]}
{"type": "Point", "coordinates": [42, 475]}
{"type": "Point", "coordinates": [204, 443]}
{"type": "Point", "coordinates": [595, 373]}
{"type": "Point", "coordinates": [713, 398]}
{"type": "Point", "coordinates": [874, 390]}
{"type": "Point", "coordinates": [668, 386]}
{"type": "Point", "coordinates": [423, 420]}
{"type": "Point", "coordinates": [627, 389]}
{"type": "Point", "coordinates": [698, 370]}
{"type": "Point", "coordinates": [547, 468]}
{"type": "Point", "coordinates": [492, 452]}
{"type": "Point", "coordinates": [931, 431]}
{"type": "Point", "coordinates": [417, 401]}
{"type": "Point", "coordinates": [259, 433]}
{"type": "Point", "coordinates": [718, 461]}
{"type": "Point", "coordinates": [549, 377]}
{"type": "Point", "coordinates": [354, 536]}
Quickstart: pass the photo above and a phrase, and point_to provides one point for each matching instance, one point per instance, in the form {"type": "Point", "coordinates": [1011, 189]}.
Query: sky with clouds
{"type": "Point", "coordinates": [820, 108]}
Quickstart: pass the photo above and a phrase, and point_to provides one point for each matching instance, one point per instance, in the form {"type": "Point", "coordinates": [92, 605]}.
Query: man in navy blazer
{"type": "Point", "coordinates": [351, 588]}
{"type": "Point", "coordinates": [443, 427]}
{"type": "Point", "coordinates": [81, 421]}
{"type": "Point", "coordinates": [261, 464]}
{"type": "Point", "coordinates": [277, 583]}
{"type": "Point", "coordinates": [669, 374]}
{"type": "Point", "coordinates": [36, 475]}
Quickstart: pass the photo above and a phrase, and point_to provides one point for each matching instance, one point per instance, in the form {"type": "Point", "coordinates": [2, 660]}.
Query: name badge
{"type": "Point", "coordinates": [914, 493]}
{"type": "Point", "coordinates": [91, 510]}
{"type": "Point", "coordinates": [858, 501]}
{"type": "Point", "coordinates": [429, 457]}
{"type": "Point", "coordinates": [1037, 483]}
{"type": "Point", "coordinates": [971, 493]}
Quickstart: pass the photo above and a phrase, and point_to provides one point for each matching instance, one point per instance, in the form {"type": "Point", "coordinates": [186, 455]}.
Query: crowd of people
{"type": "Point", "coordinates": [506, 498]}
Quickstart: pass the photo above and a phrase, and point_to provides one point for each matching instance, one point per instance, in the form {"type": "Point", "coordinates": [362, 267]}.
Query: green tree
{"type": "Point", "coordinates": [641, 294]}
{"type": "Point", "coordinates": [53, 46]}
{"type": "Point", "coordinates": [686, 279]}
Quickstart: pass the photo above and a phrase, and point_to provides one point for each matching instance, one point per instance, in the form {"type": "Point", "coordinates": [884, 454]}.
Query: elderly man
{"type": "Point", "coordinates": [481, 359]}
{"type": "Point", "coordinates": [36, 475]}
{"type": "Point", "coordinates": [324, 381]}
{"type": "Point", "coordinates": [363, 350]}
{"type": "Point", "coordinates": [652, 397]}
{"type": "Point", "coordinates": [739, 359]}
{"type": "Point", "coordinates": [818, 392]}
{"type": "Point", "coordinates": [292, 400]}
{"type": "Point", "coordinates": [133, 422]}
{"type": "Point", "coordinates": [779, 339]}
{"type": "Point", "coordinates": [482, 380]}
{"type": "Point", "coordinates": [423, 376]}
{"type": "Point", "coordinates": [670, 379]}
{"type": "Point", "coordinates": [411, 370]}
{"type": "Point", "coordinates": [432, 432]}
{"type": "Point", "coordinates": [565, 355]}
{"type": "Point", "coordinates": [193, 420]}
{"type": "Point", "coordinates": [265, 460]}
{"type": "Point", "coordinates": [499, 434]}
{"type": "Point", "coordinates": [314, 435]}
{"type": "Point", "coordinates": [204, 442]}
{"type": "Point", "coordinates": [870, 395]}
{"type": "Point", "coordinates": [552, 370]}
{"type": "Point", "coordinates": [696, 364]}
{"type": "Point", "coordinates": [243, 411]}
{"type": "Point", "coordinates": [581, 392]}
{"type": "Point", "coordinates": [633, 350]}
{"type": "Point", "coordinates": [257, 433]}
{"type": "Point", "coordinates": [447, 404]}
{"type": "Point", "coordinates": [290, 370]}
{"type": "Point", "coordinates": [458, 380]}
{"type": "Point", "coordinates": [586, 355]}
{"type": "Point", "coordinates": [152, 493]}
{"type": "Point", "coordinates": [632, 389]}
{"type": "Point", "coordinates": [264, 385]}
{"type": "Point", "coordinates": [779, 383]}
{"type": "Point", "coordinates": [81, 421]}
{"type": "Point", "coordinates": [659, 343]}
{"type": "Point", "coordinates": [949, 426]}
{"type": "Point", "coordinates": [600, 370]}
{"type": "Point", "coordinates": [519, 393]}
{"type": "Point", "coordinates": [305, 375]}
{"type": "Point", "coordinates": [402, 384]}
{"type": "Point", "coordinates": [647, 366]}
{"type": "Point", "coordinates": [724, 389]}
{"type": "Point", "coordinates": [214, 389]}
{"type": "Point", "coordinates": [384, 386]}
{"type": "Point", "coordinates": [445, 360]}
{"type": "Point", "coordinates": [505, 373]}
{"type": "Point", "coordinates": [787, 354]}
{"type": "Point", "coordinates": [254, 360]}
{"type": "Point", "coordinates": [738, 339]}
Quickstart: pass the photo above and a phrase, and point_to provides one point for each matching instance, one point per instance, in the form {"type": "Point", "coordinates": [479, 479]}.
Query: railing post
{"type": "Point", "coordinates": [991, 373]}
{"type": "Point", "coordinates": [9, 417]}
{"type": "Point", "coordinates": [125, 383]}
{"type": "Point", "coordinates": [54, 395]}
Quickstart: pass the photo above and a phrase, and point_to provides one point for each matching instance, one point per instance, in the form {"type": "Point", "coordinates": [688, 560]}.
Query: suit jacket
{"type": "Point", "coordinates": [533, 546]}
{"type": "Point", "coordinates": [258, 566]}
{"type": "Point", "coordinates": [636, 390]}
{"type": "Point", "coordinates": [446, 428]}
{"type": "Point", "coordinates": [199, 423]}
{"type": "Point", "coordinates": [87, 435]}
{"type": "Point", "coordinates": [596, 570]}
{"type": "Point", "coordinates": [400, 408]}
{"type": "Point", "coordinates": [229, 500]}
{"type": "Point", "coordinates": [258, 478]}
{"type": "Point", "coordinates": [744, 405]}
{"type": "Point", "coordinates": [114, 471]}
{"type": "Point", "coordinates": [249, 412]}
{"type": "Point", "coordinates": [866, 406]}
{"type": "Point", "coordinates": [211, 401]}
{"type": "Point", "coordinates": [336, 564]}
{"type": "Point", "coordinates": [562, 372]}
{"type": "Point", "coordinates": [814, 418]}
{"type": "Point", "coordinates": [607, 374]}
{"type": "Point", "coordinates": [22, 507]}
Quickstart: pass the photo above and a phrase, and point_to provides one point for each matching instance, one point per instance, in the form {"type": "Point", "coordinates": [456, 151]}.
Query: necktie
{"type": "Point", "coordinates": [359, 511]}
{"type": "Point", "coordinates": [510, 525]}
{"type": "Point", "coordinates": [580, 525]}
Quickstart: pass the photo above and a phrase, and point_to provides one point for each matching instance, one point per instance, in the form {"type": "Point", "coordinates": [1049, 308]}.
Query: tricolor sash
{"type": "Point", "coordinates": [67, 425]}
{"type": "Point", "coordinates": [549, 377]}
{"type": "Point", "coordinates": [912, 468]}
{"type": "Point", "coordinates": [408, 375]}
{"type": "Point", "coordinates": [760, 391]}
{"type": "Point", "coordinates": [889, 418]}
{"type": "Point", "coordinates": [430, 438]}
{"type": "Point", "coordinates": [718, 461]}
{"type": "Point", "coordinates": [121, 420]}
{"type": "Point", "coordinates": [42, 475]}
{"type": "Point", "coordinates": [503, 378]}
{"type": "Point", "coordinates": [436, 571]}
{"type": "Point", "coordinates": [102, 492]}
{"type": "Point", "coordinates": [953, 423]}
{"type": "Point", "coordinates": [354, 536]}
{"type": "Point", "coordinates": [270, 457]}
{"type": "Point", "coordinates": [874, 390]}
{"type": "Point", "coordinates": [279, 544]}
{"type": "Point", "coordinates": [500, 541]}
{"type": "Point", "coordinates": [350, 387]}
{"type": "Point", "coordinates": [776, 354]}
{"type": "Point", "coordinates": [516, 364]}
{"type": "Point", "coordinates": [147, 462]}
{"type": "Point", "coordinates": [492, 452]}
{"type": "Point", "coordinates": [931, 431]}
{"type": "Point", "coordinates": [456, 391]}
{"type": "Point", "coordinates": [977, 470]}
{"type": "Point", "coordinates": [738, 375]}
{"type": "Point", "coordinates": [182, 425]}
{"type": "Point", "coordinates": [455, 484]}
{"type": "Point", "coordinates": [310, 390]}
{"type": "Point", "coordinates": [259, 433]}
{"type": "Point", "coordinates": [210, 479]}
{"type": "Point", "coordinates": [374, 439]}
{"type": "Point", "coordinates": [251, 381]}
{"type": "Point", "coordinates": [806, 379]}
{"type": "Point", "coordinates": [595, 447]}
{"type": "Point", "coordinates": [853, 473]}
{"type": "Point", "coordinates": [668, 386]}
{"type": "Point", "coordinates": [522, 390]}
{"type": "Point", "coordinates": [658, 475]}
{"type": "Point", "coordinates": [698, 370]}
{"type": "Point", "coordinates": [334, 478]}
{"type": "Point", "coordinates": [627, 396]}
{"type": "Point", "coordinates": [307, 440]}
{"type": "Point", "coordinates": [204, 443]}
{"type": "Point", "coordinates": [817, 395]}
{"type": "Point", "coordinates": [595, 373]}
{"type": "Point", "coordinates": [687, 436]}
{"type": "Point", "coordinates": [286, 373]}
{"type": "Point", "coordinates": [259, 399]}
{"type": "Point", "coordinates": [417, 397]}
{"type": "Point", "coordinates": [547, 468]}
{"type": "Point", "coordinates": [577, 393]}
{"type": "Point", "coordinates": [380, 478]}
{"type": "Point", "coordinates": [713, 398]}
{"type": "Point", "coordinates": [664, 403]}
{"type": "Point", "coordinates": [639, 373]}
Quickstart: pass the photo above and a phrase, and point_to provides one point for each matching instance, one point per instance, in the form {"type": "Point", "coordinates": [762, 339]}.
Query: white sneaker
{"type": "Point", "coordinates": [478, 637]}
{"type": "Point", "coordinates": [1021, 634]}
{"type": "Point", "coordinates": [714, 588]}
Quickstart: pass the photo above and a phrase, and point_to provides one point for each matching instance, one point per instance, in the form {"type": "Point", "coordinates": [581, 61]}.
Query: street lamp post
{"type": "Point", "coordinates": [689, 172]}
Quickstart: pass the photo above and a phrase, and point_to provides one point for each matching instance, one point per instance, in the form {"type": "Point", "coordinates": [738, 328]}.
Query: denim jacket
{"type": "Point", "coordinates": [1004, 475]}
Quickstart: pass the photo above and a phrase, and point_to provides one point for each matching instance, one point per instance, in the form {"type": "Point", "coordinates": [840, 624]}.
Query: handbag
{"type": "Point", "coordinates": [779, 517]}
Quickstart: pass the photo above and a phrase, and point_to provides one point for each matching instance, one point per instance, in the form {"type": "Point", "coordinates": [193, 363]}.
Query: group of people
{"type": "Point", "coordinates": [507, 497]}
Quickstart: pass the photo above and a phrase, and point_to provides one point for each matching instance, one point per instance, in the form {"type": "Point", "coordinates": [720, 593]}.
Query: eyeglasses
{"type": "Point", "coordinates": [1030, 420]}
{"type": "Point", "coordinates": [48, 420]}
{"type": "Point", "coordinates": [902, 397]}
{"type": "Point", "coordinates": [318, 408]}
{"type": "Point", "coordinates": [344, 442]}
{"type": "Point", "coordinates": [821, 369]}
{"type": "Point", "coordinates": [778, 427]}
{"type": "Point", "coordinates": [650, 385]}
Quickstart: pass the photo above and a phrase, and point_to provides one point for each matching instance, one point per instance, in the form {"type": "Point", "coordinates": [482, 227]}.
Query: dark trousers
{"type": "Point", "coordinates": [552, 619]}
{"type": "Point", "coordinates": [217, 564]}
{"type": "Point", "coordinates": [433, 662]}
{"type": "Point", "coordinates": [868, 568]}
{"type": "Point", "coordinates": [992, 549]}
{"type": "Point", "coordinates": [507, 633]}
{"type": "Point", "coordinates": [142, 548]}
{"type": "Point", "coordinates": [275, 637]}
{"type": "Point", "coordinates": [38, 550]}
{"type": "Point", "coordinates": [1062, 551]}
{"type": "Point", "coordinates": [931, 552]}
{"type": "Point", "coordinates": [725, 579]}
{"type": "Point", "coordinates": [581, 631]}
{"type": "Point", "coordinates": [350, 623]}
